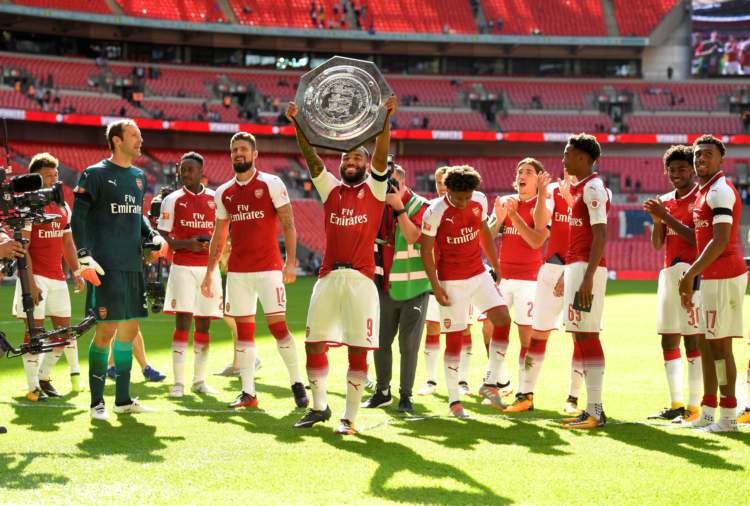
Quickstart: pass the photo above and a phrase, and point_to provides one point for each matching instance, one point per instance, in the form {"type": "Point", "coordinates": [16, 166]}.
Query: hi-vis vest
{"type": "Point", "coordinates": [408, 277]}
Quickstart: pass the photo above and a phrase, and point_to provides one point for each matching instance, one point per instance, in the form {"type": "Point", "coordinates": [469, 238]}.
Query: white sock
{"type": "Point", "coordinates": [201, 359]}
{"type": "Point", "coordinates": [576, 378]}
{"type": "Point", "coordinates": [522, 368]}
{"type": "Point", "coordinates": [431, 357]}
{"type": "Point", "coordinates": [695, 379]}
{"type": "Point", "coordinates": [594, 373]}
{"type": "Point", "coordinates": [535, 360]}
{"type": "Point", "coordinates": [355, 386]}
{"type": "Point", "coordinates": [288, 352]}
{"type": "Point", "coordinates": [747, 399]}
{"type": "Point", "coordinates": [452, 363]}
{"type": "Point", "coordinates": [31, 368]}
{"type": "Point", "coordinates": [245, 353]}
{"type": "Point", "coordinates": [71, 356]}
{"type": "Point", "coordinates": [673, 369]}
{"type": "Point", "coordinates": [497, 369]}
{"type": "Point", "coordinates": [179, 349]}
{"type": "Point", "coordinates": [728, 416]}
{"type": "Point", "coordinates": [464, 363]}
{"type": "Point", "coordinates": [318, 379]}
{"type": "Point", "coordinates": [49, 361]}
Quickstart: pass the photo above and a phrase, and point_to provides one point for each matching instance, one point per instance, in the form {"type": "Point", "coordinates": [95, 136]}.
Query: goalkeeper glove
{"type": "Point", "coordinates": [88, 268]}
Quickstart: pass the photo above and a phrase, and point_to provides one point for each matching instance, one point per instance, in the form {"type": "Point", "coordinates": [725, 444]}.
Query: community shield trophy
{"type": "Point", "coordinates": [340, 103]}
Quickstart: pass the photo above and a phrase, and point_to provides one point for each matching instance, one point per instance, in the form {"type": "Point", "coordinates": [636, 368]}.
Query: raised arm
{"type": "Point", "coordinates": [383, 141]}
{"type": "Point", "coordinates": [314, 163]}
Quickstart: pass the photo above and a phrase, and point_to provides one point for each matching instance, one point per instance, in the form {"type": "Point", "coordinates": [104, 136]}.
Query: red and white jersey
{"type": "Point", "coordinates": [186, 215]}
{"type": "Point", "coordinates": [591, 203]}
{"type": "Point", "coordinates": [46, 243]}
{"type": "Point", "coordinates": [456, 233]}
{"type": "Point", "coordinates": [718, 202]}
{"type": "Point", "coordinates": [518, 260]}
{"type": "Point", "coordinates": [250, 206]}
{"type": "Point", "coordinates": [676, 248]}
{"type": "Point", "coordinates": [559, 229]}
{"type": "Point", "coordinates": [352, 220]}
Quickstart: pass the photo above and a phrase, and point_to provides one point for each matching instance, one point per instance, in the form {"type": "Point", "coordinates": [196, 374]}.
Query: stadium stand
{"type": "Point", "coordinates": [552, 17]}
{"type": "Point", "coordinates": [195, 11]}
{"type": "Point", "coordinates": [68, 5]}
{"type": "Point", "coordinates": [650, 13]}
{"type": "Point", "coordinates": [555, 123]}
{"type": "Point", "coordinates": [719, 125]}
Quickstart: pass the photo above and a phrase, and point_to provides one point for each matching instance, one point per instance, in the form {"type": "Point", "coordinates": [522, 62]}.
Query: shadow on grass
{"type": "Point", "coordinates": [40, 418]}
{"type": "Point", "coordinates": [677, 443]}
{"type": "Point", "coordinates": [393, 458]}
{"type": "Point", "coordinates": [13, 475]}
{"type": "Point", "coordinates": [136, 441]}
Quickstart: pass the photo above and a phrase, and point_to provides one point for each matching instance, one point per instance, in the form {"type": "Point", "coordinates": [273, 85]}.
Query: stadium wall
{"type": "Point", "coordinates": [669, 47]}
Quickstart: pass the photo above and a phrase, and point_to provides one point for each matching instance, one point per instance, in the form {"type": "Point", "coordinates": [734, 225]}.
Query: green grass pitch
{"type": "Point", "coordinates": [196, 451]}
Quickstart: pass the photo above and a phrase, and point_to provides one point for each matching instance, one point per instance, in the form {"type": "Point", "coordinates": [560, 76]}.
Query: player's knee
{"type": "Point", "coordinates": [692, 344]}
{"type": "Point", "coordinates": [670, 342]}
{"type": "Point", "coordinates": [182, 321]}
{"type": "Point", "coordinates": [500, 317]}
{"type": "Point", "coordinates": [279, 330]}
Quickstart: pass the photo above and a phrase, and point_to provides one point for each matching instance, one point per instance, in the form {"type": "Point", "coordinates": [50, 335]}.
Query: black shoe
{"type": "Point", "coordinates": [313, 416]}
{"type": "Point", "coordinates": [48, 389]}
{"type": "Point", "coordinates": [3, 430]}
{"type": "Point", "coordinates": [665, 414]}
{"type": "Point", "coordinates": [379, 399]}
{"type": "Point", "coordinates": [300, 396]}
{"type": "Point", "coordinates": [404, 405]}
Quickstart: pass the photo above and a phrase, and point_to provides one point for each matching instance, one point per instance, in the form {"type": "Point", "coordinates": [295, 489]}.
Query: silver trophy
{"type": "Point", "coordinates": [341, 103]}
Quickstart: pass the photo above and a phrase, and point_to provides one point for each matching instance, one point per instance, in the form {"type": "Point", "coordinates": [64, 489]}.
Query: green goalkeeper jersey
{"type": "Point", "coordinates": [108, 215]}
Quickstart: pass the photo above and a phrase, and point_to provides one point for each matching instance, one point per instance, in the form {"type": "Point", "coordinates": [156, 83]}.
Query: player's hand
{"type": "Point", "coordinates": [289, 273]}
{"type": "Point", "coordinates": [559, 289]}
{"type": "Point", "coordinates": [10, 248]}
{"type": "Point", "coordinates": [197, 246]}
{"type": "Point", "coordinates": [656, 209]}
{"type": "Point", "coordinates": [541, 184]}
{"type": "Point", "coordinates": [511, 206]}
{"type": "Point", "coordinates": [206, 286]}
{"type": "Point", "coordinates": [564, 184]}
{"type": "Point", "coordinates": [500, 211]}
{"type": "Point", "coordinates": [78, 283]}
{"type": "Point", "coordinates": [90, 270]}
{"type": "Point", "coordinates": [391, 106]}
{"type": "Point", "coordinates": [36, 293]}
{"type": "Point", "coordinates": [291, 112]}
{"type": "Point", "coordinates": [394, 201]}
{"type": "Point", "coordinates": [686, 289]}
{"type": "Point", "coordinates": [441, 295]}
{"type": "Point", "coordinates": [585, 291]}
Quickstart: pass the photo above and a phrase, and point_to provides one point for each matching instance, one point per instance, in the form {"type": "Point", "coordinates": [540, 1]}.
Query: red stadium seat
{"type": "Point", "coordinates": [196, 11]}
{"type": "Point", "coordinates": [552, 17]}
{"type": "Point", "coordinates": [68, 5]}
{"type": "Point", "coordinates": [640, 17]}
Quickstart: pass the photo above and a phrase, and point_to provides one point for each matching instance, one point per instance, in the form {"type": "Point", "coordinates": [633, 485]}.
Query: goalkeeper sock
{"type": "Point", "coordinates": [287, 350]}
{"type": "Point", "coordinates": [179, 348]}
{"type": "Point", "coordinates": [97, 372]}
{"type": "Point", "coordinates": [200, 347]}
{"type": "Point", "coordinates": [123, 356]}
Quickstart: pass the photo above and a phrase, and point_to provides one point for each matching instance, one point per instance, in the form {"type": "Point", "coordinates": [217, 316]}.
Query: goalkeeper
{"type": "Point", "coordinates": [108, 225]}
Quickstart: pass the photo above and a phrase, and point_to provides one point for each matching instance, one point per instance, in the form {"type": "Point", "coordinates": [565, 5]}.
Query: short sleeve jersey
{"type": "Point", "coordinates": [186, 215]}
{"type": "Point", "coordinates": [46, 243]}
{"type": "Point", "coordinates": [456, 232]}
{"type": "Point", "coordinates": [250, 206]}
{"type": "Point", "coordinates": [676, 248]}
{"type": "Point", "coordinates": [718, 202]}
{"type": "Point", "coordinates": [518, 260]}
{"type": "Point", "coordinates": [590, 207]}
{"type": "Point", "coordinates": [115, 219]}
{"type": "Point", "coordinates": [559, 231]}
{"type": "Point", "coordinates": [352, 219]}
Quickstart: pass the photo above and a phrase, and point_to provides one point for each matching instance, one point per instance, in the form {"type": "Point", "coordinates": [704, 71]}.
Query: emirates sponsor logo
{"type": "Point", "coordinates": [347, 218]}
{"type": "Point", "coordinates": [55, 233]}
{"type": "Point", "coordinates": [199, 221]}
{"type": "Point", "coordinates": [244, 213]}
{"type": "Point", "coordinates": [575, 222]}
{"type": "Point", "coordinates": [699, 223]}
{"type": "Point", "coordinates": [129, 207]}
{"type": "Point", "coordinates": [511, 231]}
{"type": "Point", "coordinates": [561, 218]}
{"type": "Point", "coordinates": [468, 234]}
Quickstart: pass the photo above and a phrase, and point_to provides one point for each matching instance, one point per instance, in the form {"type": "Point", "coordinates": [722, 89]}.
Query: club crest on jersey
{"type": "Point", "coordinates": [307, 331]}
{"type": "Point", "coordinates": [475, 211]}
{"type": "Point", "coordinates": [258, 193]}
{"type": "Point", "coordinates": [594, 203]}
{"type": "Point", "coordinates": [102, 313]}
{"type": "Point", "coordinates": [139, 184]}
{"type": "Point", "coordinates": [226, 307]}
{"type": "Point", "coordinates": [211, 204]}
{"type": "Point", "coordinates": [447, 323]}
{"type": "Point", "coordinates": [361, 194]}
{"type": "Point", "coordinates": [164, 215]}
{"type": "Point", "coordinates": [427, 227]}
{"type": "Point", "coordinates": [174, 303]}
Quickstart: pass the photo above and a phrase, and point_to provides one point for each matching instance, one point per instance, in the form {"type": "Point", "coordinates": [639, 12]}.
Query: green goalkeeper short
{"type": "Point", "coordinates": [121, 296]}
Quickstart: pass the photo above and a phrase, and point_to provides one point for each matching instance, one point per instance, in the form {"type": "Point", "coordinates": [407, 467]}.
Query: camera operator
{"type": "Point", "coordinates": [49, 243]}
{"type": "Point", "coordinates": [403, 288]}
{"type": "Point", "coordinates": [9, 249]}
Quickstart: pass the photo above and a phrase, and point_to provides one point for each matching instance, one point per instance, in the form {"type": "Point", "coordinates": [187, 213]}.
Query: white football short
{"type": "Point", "coordinates": [671, 317]}
{"type": "Point", "coordinates": [433, 312]}
{"type": "Point", "coordinates": [55, 299]}
{"type": "Point", "coordinates": [184, 292]}
{"type": "Point", "coordinates": [479, 291]}
{"type": "Point", "coordinates": [519, 296]}
{"type": "Point", "coordinates": [344, 310]}
{"type": "Point", "coordinates": [245, 288]}
{"type": "Point", "coordinates": [583, 321]}
{"type": "Point", "coordinates": [547, 307]}
{"type": "Point", "coordinates": [721, 306]}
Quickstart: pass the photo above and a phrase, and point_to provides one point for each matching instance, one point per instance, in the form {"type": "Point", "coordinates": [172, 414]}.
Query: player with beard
{"type": "Point", "coordinates": [674, 230]}
{"type": "Point", "coordinates": [344, 306]}
{"type": "Point", "coordinates": [716, 216]}
{"type": "Point", "coordinates": [253, 202]}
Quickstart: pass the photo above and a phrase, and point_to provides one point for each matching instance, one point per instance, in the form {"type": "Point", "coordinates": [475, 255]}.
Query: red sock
{"type": "Point", "coordinates": [246, 331]}
{"type": "Point", "coordinates": [279, 330]}
{"type": "Point", "coordinates": [710, 400]}
{"type": "Point", "coordinates": [180, 336]}
{"type": "Point", "coordinates": [728, 402]}
{"type": "Point", "coordinates": [671, 354]}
